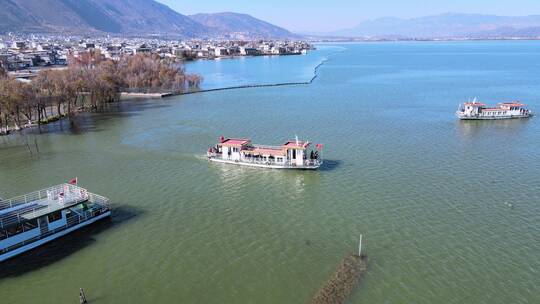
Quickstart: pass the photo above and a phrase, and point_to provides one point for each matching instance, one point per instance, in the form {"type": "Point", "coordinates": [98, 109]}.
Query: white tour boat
{"type": "Point", "coordinates": [293, 154]}
{"type": "Point", "coordinates": [478, 111]}
{"type": "Point", "coordinates": [36, 218]}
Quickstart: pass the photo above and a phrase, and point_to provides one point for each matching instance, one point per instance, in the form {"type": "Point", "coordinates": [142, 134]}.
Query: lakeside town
{"type": "Point", "coordinates": [45, 78]}
{"type": "Point", "coordinates": [37, 51]}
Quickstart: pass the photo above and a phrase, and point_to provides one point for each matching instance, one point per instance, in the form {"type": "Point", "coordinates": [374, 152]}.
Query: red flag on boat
{"type": "Point", "coordinates": [319, 146]}
{"type": "Point", "coordinates": [221, 139]}
{"type": "Point", "coordinates": [73, 181]}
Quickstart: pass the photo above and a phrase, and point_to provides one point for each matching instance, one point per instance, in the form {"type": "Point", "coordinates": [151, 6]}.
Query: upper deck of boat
{"type": "Point", "coordinates": [39, 203]}
{"type": "Point", "coordinates": [246, 144]}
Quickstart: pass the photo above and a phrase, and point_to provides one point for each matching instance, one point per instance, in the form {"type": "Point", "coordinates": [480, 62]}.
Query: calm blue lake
{"type": "Point", "coordinates": [449, 210]}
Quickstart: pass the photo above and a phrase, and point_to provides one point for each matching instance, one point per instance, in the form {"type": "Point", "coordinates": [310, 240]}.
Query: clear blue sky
{"type": "Point", "coordinates": [328, 15]}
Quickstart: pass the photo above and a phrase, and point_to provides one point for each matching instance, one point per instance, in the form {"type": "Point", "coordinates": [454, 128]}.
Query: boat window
{"type": "Point", "coordinates": [30, 225]}
{"type": "Point", "coordinates": [3, 234]}
{"type": "Point", "coordinates": [55, 216]}
{"type": "Point", "coordinates": [14, 230]}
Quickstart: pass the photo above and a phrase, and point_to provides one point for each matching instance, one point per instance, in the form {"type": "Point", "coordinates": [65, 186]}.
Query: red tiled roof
{"type": "Point", "coordinates": [265, 151]}
{"type": "Point", "coordinates": [235, 142]}
{"type": "Point", "coordinates": [294, 144]}
{"type": "Point", "coordinates": [478, 104]}
{"type": "Point", "coordinates": [512, 104]}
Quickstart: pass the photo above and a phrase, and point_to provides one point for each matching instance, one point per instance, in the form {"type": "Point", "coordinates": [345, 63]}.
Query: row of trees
{"type": "Point", "coordinates": [88, 83]}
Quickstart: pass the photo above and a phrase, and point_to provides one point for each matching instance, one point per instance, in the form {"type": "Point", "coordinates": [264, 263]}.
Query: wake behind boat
{"type": "Point", "coordinates": [293, 154]}
{"type": "Point", "coordinates": [479, 111]}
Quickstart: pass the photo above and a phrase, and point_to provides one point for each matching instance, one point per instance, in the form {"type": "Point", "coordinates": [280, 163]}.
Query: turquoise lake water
{"type": "Point", "coordinates": [449, 210]}
{"type": "Point", "coordinates": [259, 70]}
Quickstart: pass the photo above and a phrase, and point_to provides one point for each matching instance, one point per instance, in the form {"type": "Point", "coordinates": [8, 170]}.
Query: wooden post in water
{"type": "Point", "coordinates": [360, 247]}
{"type": "Point", "coordinates": [35, 143]}
{"type": "Point", "coordinates": [82, 297]}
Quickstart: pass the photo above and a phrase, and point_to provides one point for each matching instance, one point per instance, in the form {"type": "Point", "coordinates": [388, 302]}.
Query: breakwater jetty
{"type": "Point", "coordinates": [343, 281]}
{"type": "Point", "coordinates": [129, 95]}
{"type": "Point", "coordinates": [125, 95]}
{"type": "Point", "coordinates": [247, 86]}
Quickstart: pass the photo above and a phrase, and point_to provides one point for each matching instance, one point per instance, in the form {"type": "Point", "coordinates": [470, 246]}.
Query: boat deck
{"type": "Point", "coordinates": [308, 164]}
{"type": "Point", "coordinates": [492, 117]}
{"type": "Point", "coordinates": [47, 206]}
{"type": "Point", "coordinates": [40, 203]}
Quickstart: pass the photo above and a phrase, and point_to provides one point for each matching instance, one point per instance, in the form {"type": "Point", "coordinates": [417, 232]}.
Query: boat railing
{"type": "Point", "coordinates": [40, 194]}
{"type": "Point", "coordinates": [98, 199]}
{"type": "Point", "coordinates": [73, 220]}
{"type": "Point", "coordinates": [81, 216]}
{"type": "Point", "coordinates": [312, 162]}
{"type": "Point", "coordinates": [258, 161]}
{"type": "Point", "coordinates": [307, 162]}
{"type": "Point", "coordinates": [213, 154]}
{"type": "Point", "coordinates": [23, 199]}
{"type": "Point", "coordinates": [64, 194]}
{"type": "Point", "coordinates": [254, 160]}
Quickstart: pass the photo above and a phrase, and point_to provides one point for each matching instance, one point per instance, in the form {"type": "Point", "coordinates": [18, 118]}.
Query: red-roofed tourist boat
{"type": "Point", "coordinates": [479, 111]}
{"type": "Point", "coordinates": [293, 154]}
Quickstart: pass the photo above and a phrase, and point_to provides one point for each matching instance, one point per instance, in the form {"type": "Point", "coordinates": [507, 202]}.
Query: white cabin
{"type": "Point", "coordinates": [292, 154]}
{"type": "Point", "coordinates": [479, 111]}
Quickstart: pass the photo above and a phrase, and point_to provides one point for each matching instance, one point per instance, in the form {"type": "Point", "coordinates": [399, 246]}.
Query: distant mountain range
{"type": "Point", "coordinates": [240, 23]}
{"type": "Point", "coordinates": [149, 17]}
{"type": "Point", "coordinates": [127, 17]}
{"type": "Point", "coordinates": [448, 25]}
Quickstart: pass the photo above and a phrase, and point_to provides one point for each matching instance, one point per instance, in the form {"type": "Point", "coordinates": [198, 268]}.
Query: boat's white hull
{"type": "Point", "coordinates": [47, 239]}
{"type": "Point", "coordinates": [268, 166]}
{"type": "Point", "coordinates": [462, 117]}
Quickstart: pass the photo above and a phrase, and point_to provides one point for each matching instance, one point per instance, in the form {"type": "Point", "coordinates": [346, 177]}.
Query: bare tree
{"type": "Point", "coordinates": [89, 82]}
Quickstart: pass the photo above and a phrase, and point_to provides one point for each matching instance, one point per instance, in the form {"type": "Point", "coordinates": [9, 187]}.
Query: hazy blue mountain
{"type": "Point", "coordinates": [443, 26]}
{"type": "Point", "coordinates": [528, 32]}
{"type": "Point", "coordinates": [12, 17]}
{"type": "Point", "coordinates": [241, 23]}
{"type": "Point", "coordinates": [126, 17]}
{"type": "Point", "coordinates": [84, 16]}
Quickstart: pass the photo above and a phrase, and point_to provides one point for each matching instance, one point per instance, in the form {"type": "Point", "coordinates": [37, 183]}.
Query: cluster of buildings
{"type": "Point", "coordinates": [19, 53]}
{"type": "Point", "coordinates": [217, 49]}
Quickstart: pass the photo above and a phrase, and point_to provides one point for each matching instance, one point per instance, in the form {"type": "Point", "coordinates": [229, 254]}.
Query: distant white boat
{"type": "Point", "coordinates": [293, 154]}
{"type": "Point", "coordinates": [475, 110]}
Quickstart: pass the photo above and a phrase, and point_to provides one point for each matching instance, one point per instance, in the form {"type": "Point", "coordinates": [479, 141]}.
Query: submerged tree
{"type": "Point", "coordinates": [89, 82]}
{"type": "Point", "coordinates": [150, 73]}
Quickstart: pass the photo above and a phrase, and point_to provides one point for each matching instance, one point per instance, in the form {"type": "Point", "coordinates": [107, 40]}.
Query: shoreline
{"type": "Point", "coordinates": [359, 40]}
{"type": "Point", "coordinates": [126, 96]}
